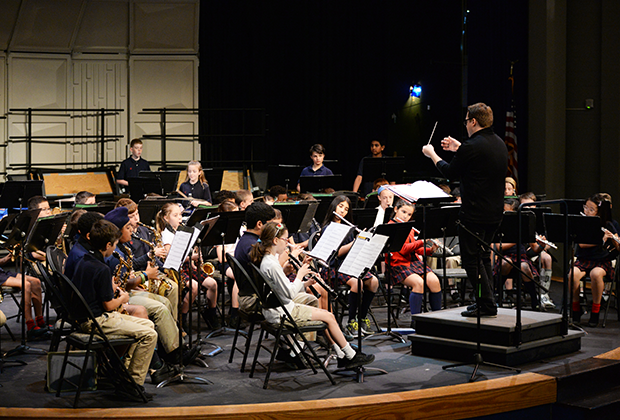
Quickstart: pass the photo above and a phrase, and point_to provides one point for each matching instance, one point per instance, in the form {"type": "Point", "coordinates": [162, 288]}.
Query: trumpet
{"type": "Point", "coordinates": [546, 242]}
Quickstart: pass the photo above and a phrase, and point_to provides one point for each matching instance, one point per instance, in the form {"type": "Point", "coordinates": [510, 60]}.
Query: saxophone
{"type": "Point", "coordinates": [116, 277]}
{"type": "Point", "coordinates": [162, 284]}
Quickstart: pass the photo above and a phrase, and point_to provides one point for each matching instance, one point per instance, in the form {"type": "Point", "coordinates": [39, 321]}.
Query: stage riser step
{"type": "Point", "coordinates": [566, 412]}
{"type": "Point", "coordinates": [503, 337]}
{"type": "Point", "coordinates": [461, 351]}
{"type": "Point", "coordinates": [604, 373]}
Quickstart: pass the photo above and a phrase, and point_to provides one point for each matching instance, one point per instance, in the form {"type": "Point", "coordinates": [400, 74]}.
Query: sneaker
{"type": "Point", "coordinates": [546, 301]}
{"type": "Point", "coordinates": [594, 318]}
{"type": "Point", "coordinates": [167, 371]}
{"type": "Point", "coordinates": [366, 328]}
{"type": "Point", "coordinates": [360, 359]}
{"type": "Point", "coordinates": [484, 313]}
{"type": "Point", "coordinates": [37, 334]}
{"type": "Point", "coordinates": [352, 328]}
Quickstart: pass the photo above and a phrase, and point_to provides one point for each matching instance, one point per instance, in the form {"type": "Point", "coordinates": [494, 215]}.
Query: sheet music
{"type": "Point", "coordinates": [363, 253]}
{"type": "Point", "coordinates": [330, 240]}
{"type": "Point", "coordinates": [181, 246]}
{"type": "Point", "coordinates": [419, 189]}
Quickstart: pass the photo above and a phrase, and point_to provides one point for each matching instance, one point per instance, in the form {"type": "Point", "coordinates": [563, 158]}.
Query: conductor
{"type": "Point", "coordinates": [481, 163]}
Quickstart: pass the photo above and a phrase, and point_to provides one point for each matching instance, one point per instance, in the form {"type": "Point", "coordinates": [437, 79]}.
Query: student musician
{"type": "Point", "coordinates": [168, 221]}
{"type": "Point", "coordinates": [376, 151]}
{"type": "Point", "coordinates": [195, 186]}
{"type": "Point", "coordinates": [317, 154]}
{"type": "Point", "coordinates": [386, 199]}
{"type": "Point", "coordinates": [510, 189]}
{"type": "Point", "coordinates": [406, 266]}
{"type": "Point", "coordinates": [509, 250]}
{"type": "Point", "coordinates": [341, 205]}
{"type": "Point", "coordinates": [133, 165]}
{"type": "Point", "coordinates": [593, 259]}
{"type": "Point", "coordinates": [274, 242]}
{"type": "Point", "coordinates": [545, 260]}
{"type": "Point", "coordinates": [93, 278]}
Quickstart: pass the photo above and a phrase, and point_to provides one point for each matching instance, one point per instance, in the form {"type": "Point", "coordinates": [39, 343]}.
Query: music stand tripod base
{"type": "Point", "coordinates": [183, 377]}
{"type": "Point", "coordinates": [359, 372]}
{"type": "Point", "coordinates": [479, 361]}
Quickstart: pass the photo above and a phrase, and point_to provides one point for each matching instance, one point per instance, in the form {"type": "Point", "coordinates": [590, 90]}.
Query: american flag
{"type": "Point", "coordinates": [510, 138]}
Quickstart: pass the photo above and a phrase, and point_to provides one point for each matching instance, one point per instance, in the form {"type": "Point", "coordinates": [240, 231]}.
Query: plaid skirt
{"type": "Point", "coordinates": [513, 257]}
{"type": "Point", "coordinates": [587, 266]}
{"type": "Point", "coordinates": [398, 273]}
{"type": "Point", "coordinates": [331, 273]}
{"type": "Point", "coordinates": [197, 274]}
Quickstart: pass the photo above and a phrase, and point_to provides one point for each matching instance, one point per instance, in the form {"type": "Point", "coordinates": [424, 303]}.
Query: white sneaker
{"type": "Point", "coordinates": [546, 300]}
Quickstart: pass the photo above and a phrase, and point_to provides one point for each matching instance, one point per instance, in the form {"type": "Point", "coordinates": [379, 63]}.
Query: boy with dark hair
{"type": "Point", "coordinates": [376, 151]}
{"type": "Point", "coordinates": [40, 202]}
{"type": "Point", "coordinates": [256, 216]}
{"type": "Point", "coordinates": [278, 192]}
{"type": "Point", "coordinates": [133, 165]}
{"type": "Point", "coordinates": [85, 197]}
{"type": "Point", "coordinates": [243, 198]}
{"type": "Point", "coordinates": [224, 195]}
{"type": "Point", "coordinates": [317, 154]}
{"type": "Point", "coordinates": [93, 278]}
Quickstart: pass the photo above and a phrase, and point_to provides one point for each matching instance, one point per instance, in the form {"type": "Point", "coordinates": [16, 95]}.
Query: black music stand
{"type": "Point", "coordinates": [168, 179]}
{"type": "Point", "coordinates": [439, 222]}
{"type": "Point", "coordinates": [205, 226]}
{"type": "Point", "coordinates": [574, 206]}
{"type": "Point", "coordinates": [17, 238]}
{"type": "Point", "coordinates": [571, 229]}
{"type": "Point", "coordinates": [182, 376]}
{"type": "Point", "coordinates": [364, 219]}
{"type": "Point", "coordinates": [15, 194]}
{"type": "Point", "coordinates": [225, 231]}
{"type": "Point", "coordinates": [285, 175]}
{"type": "Point", "coordinates": [103, 207]}
{"type": "Point", "coordinates": [294, 214]}
{"type": "Point", "coordinates": [140, 187]}
{"type": "Point", "coordinates": [390, 168]}
{"type": "Point", "coordinates": [397, 234]}
{"type": "Point", "coordinates": [478, 360]}
{"type": "Point", "coordinates": [200, 214]}
{"type": "Point", "coordinates": [148, 209]}
{"type": "Point", "coordinates": [324, 201]}
{"type": "Point", "coordinates": [320, 183]}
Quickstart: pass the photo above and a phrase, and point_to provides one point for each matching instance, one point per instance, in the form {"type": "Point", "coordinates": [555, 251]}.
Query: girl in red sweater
{"type": "Point", "coordinates": [406, 266]}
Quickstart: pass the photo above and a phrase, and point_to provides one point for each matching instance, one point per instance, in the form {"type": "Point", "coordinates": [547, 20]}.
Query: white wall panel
{"type": "Point", "coordinates": [38, 81]}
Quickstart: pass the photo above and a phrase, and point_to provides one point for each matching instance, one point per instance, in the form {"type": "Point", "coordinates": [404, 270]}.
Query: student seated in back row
{"type": "Point", "coordinates": [317, 154]}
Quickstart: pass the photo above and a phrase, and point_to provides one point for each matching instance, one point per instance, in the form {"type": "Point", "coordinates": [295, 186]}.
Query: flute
{"type": "Point", "coordinates": [347, 222]}
{"type": "Point", "coordinates": [612, 235]}
{"type": "Point", "coordinates": [545, 242]}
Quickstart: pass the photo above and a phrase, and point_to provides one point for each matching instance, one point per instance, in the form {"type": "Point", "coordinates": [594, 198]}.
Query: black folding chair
{"type": "Point", "coordinates": [96, 341]}
{"type": "Point", "coordinates": [287, 327]}
{"type": "Point", "coordinates": [252, 317]}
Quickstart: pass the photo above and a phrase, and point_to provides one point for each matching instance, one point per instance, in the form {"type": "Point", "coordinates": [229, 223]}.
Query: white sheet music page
{"type": "Point", "coordinates": [178, 248]}
{"type": "Point", "coordinates": [363, 253]}
{"type": "Point", "coordinates": [419, 189]}
{"type": "Point", "coordinates": [330, 240]}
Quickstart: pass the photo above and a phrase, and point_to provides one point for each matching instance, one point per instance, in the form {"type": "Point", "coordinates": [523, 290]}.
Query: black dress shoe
{"type": "Point", "coordinates": [594, 318]}
{"type": "Point", "coordinates": [360, 359]}
{"type": "Point", "coordinates": [167, 371]}
{"type": "Point", "coordinates": [484, 313]}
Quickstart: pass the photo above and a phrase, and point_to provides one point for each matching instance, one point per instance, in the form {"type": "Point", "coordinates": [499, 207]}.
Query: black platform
{"type": "Point", "coordinates": [448, 335]}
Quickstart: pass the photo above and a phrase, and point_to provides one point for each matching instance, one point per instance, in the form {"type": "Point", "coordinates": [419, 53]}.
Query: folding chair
{"type": "Point", "coordinates": [253, 317]}
{"type": "Point", "coordinates": [287, 327]}
{"type": "Point", "coordinates": [96, 341]}
{"type": "Point", "coordinates": [58, 304]}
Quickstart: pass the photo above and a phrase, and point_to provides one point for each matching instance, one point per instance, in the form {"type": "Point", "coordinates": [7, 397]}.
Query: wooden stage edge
{"type": "Point", "coordinates": [451, 402]}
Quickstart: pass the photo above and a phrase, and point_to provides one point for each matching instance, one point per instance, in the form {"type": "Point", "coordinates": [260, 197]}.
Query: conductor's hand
{"type": "Point", "coordinates": [428, 150]}
{"type": "Point", "coordinates": [451, 144]}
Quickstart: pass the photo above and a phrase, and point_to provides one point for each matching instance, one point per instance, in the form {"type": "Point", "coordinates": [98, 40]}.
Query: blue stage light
{"type": "Point", "coordinates": [416, 90]}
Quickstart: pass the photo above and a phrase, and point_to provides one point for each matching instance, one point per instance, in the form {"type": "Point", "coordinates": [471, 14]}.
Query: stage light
{"type": "Point", "coordinates": [415, 90]}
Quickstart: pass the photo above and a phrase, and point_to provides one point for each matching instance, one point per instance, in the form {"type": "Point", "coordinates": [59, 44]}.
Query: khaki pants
{"type": "Point", "coordinates": [138, 357]}
{"type": "Point", "coordinates": [158, 308]}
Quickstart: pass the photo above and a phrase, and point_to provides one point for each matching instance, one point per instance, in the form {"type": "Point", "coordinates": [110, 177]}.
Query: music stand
{"type": "Point", "coordinates": [294, 215]}
{"type": "Point", "coordinates": [364, 218]}
{"type": "Point", "coordinates": [574, 205]}
{"type": "Point", "coordinates": [571, 229]}
{"type": "Point", "coordinates": [225, 231]}
{"type": "Point", "coordinates": [320, 183]}
{"type": "Point", "coordinates": [390, 168]}
{"type": "Point", "coordinates": [200, 214]}
{"type": "Point", "coordinates": [15, 194]}
{"type": "Point", "coordinates": [140, 187]}
{"type": "Point", "coordinates": [168, 179]}
{"type": "Point", "coordinates": [103, 207]}
{"type": "Point", "coordinates": [21, 229]}
{"type": "Point", "coordinates": [439, 222]}
{"type": "Point", "coordinates": [205, 227]}
{"type": "Point", "coordinates": [285, 175]}
{"type": "Point", "coordinates": [148, 209]}
{"type": "Point", "coordinates": [397, 234]}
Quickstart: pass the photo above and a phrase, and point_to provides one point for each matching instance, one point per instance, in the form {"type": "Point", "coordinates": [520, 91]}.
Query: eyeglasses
{"type": "Point", "coordinates": [589, 209]}
{"type": "Point", "coordinates": [465, 122]}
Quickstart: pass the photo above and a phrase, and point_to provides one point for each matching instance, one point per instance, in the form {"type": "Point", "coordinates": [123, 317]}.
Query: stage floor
{"type": "Point", "coordinates": [24, 386]}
